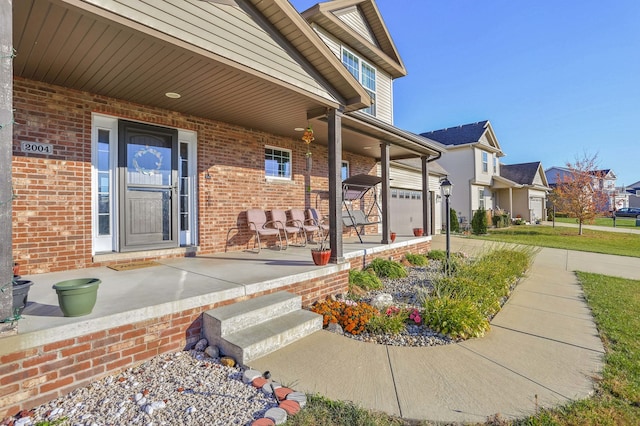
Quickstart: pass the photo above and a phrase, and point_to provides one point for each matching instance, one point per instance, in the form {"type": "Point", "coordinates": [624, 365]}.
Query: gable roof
{"type": "Point", "coordinates": [459, 135]}
{"type": "Point", "coordinates": [466, 134]}
{"type": "Point", "coordinates": [382, 53]}
{"type": "Point", "coordinates": [523, 173]}
{"type": "Point", "coordinates": [291, 25]}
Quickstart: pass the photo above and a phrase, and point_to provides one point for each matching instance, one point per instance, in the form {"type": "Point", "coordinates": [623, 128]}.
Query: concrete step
{"type": "Point", "coordinates": [231, 318]}
{"type": "Point", "coordinates": [250, 343]}
{"type": "Point", "coordinates": [256, 327]}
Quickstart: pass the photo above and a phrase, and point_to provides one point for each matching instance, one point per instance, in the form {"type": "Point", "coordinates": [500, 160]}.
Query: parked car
{"type": "Point", "coordinates": [627, 212]}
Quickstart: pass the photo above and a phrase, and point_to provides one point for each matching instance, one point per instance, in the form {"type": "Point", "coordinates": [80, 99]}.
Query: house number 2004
{"type": "Point", "coordinates": [37, 148]}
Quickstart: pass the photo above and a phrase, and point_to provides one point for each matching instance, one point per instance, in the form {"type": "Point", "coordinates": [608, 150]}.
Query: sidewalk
{"type": "Point", "coordinates": [543, 350]}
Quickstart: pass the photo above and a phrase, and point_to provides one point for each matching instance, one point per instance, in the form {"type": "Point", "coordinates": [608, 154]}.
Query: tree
{"type": "Point", "coordinates": [578, 191]}
{"type": "Point", "coordinates": [479, 223]}
{"type": "Point", "coordinates": [453, 221]}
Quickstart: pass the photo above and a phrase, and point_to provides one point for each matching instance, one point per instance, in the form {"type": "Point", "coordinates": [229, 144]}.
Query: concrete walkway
{"type": "Point", "coordinates": [543, 350]}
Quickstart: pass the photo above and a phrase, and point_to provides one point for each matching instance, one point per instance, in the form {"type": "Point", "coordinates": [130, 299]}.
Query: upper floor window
{"type": "Point", "coordinates": [364, 73]}
{"type": "Point", "coordinates": [485, 162]}
{"type": "Point", "coordinates": [277, 163]}
{"type": "Point", "coordinates": [495, 165]}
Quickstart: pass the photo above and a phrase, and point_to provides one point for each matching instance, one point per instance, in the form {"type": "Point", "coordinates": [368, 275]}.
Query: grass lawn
{"type": "Point", "coordinates": [567, 238]}
{"type": "Point", "coordinates": [621, 222]}
{"type": "Point", "coordinates": [615, 303]}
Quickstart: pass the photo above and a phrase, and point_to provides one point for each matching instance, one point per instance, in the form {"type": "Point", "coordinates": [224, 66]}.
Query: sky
{"type": "Point", "coordinates": [558, 80]}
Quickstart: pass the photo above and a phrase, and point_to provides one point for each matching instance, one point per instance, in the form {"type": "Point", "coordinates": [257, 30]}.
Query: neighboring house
{"type": "Point", "coordinates": [602, 180]}
{"type": "Point", "coordinates": [633, 193]}
{"type": "Point", "coordinates": [145, 130]}
{"type": "Point", "coordinates": [526, 192]}
{"type": "Point", "coordinates": [472, 162]}
{"type": "Point", "coordinates": [355, 32]}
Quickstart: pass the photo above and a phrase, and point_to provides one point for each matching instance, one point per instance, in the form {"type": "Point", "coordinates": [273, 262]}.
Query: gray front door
{"type": "Point", "coordinates": [148, 164]}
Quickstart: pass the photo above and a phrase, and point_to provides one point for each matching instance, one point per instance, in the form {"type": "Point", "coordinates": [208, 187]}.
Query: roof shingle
{"type": "Point", "coordinates": [459, 135]}
{"type": "Point", "coordinates": [523, 173]}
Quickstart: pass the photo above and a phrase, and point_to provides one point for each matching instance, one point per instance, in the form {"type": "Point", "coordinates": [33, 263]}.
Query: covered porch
{"type": "Point", "coordinates": [141, 313]}
{"type": "Point", "coordinates": [172, 285]}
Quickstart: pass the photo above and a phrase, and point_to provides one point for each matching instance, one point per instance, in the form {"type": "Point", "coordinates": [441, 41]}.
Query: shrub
{"type": "Point", "coordinates": [460, 287]}
{"type": "Point", "coordinates": [481, 283]}
{"type": "Point", "coordinates": [392, 321]}
{"type": "Point", "coordinates": [417, 259]}
{"type": "Point", "coordinates": [352, 316]}
{"type": "Point", "coordinates": [366, 280]}
{"type": "Point", "coordinates": [437, 255]}
{"type": "Point", "coordinates": [479, 222]}
{"type": "Point", "coordinates": [459, 318]}
{"type": "Point", "coordinates": [387, 268]}
{"type": "Point", "coordinates": [453, 219]}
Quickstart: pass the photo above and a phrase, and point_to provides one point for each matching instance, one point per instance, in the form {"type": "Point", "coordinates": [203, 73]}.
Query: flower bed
{"type": "Point", "coordinates": [426, 307]}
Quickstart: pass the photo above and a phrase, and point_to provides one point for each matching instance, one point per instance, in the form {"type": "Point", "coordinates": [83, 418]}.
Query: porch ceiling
{"type": "Point", "coordinates": [76, 45]}
{"type": "Point", "coordinates": [363, 134]}
{"type": "Point", "coordinates": [71, 47]}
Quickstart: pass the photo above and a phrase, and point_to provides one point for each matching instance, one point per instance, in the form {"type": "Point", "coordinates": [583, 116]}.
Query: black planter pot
{"type": "Point", "coordinates": [20, 293]}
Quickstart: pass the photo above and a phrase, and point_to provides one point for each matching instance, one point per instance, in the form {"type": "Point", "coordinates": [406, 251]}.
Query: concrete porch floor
{"type": "Point", "coordinates": [175, 285]}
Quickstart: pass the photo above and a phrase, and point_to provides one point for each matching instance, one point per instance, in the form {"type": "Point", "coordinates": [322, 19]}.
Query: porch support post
{"type": "Point", "coordinates": [386, 192]}
{"type": "Point", "coordinates": [6, 190]}
{"type": "Point", "coordinates": [426, 202]}
{"type": "Point", "coordinates": [334, 118]}
{"type": "Point", "coordinates": [510, 203]}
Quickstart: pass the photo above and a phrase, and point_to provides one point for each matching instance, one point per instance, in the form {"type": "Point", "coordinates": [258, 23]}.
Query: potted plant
{"type": "Point", "coordinates": [321, 254]}
{"type": "Point", "coordinates": [417, 232]}
{"type": "Point", "coordinates": [77, 297]}
{"type": "Point", "coordinates": [20, 294]}
{"type": "Point", "coordinates": [393, 236]}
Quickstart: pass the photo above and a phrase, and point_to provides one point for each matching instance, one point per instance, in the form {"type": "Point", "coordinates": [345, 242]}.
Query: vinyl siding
{"type": "Point", "coordinates": [384, 82]}
{"type": "Point", "coordinates": [354, 19]}
{"type": "Point", "coordinates": [410, 179]}
{"type": "Point", "coordinates": [222, 29]}
{"type": "Point", "coordinates": [537, 180]}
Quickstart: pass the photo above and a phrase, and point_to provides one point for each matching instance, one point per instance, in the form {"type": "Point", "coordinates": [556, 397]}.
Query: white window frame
{"type": "Point", "coordinates": [281, 178]}
{"type": "Point", "coordinates": [485, 162]}
{"type": "Point", "coordinates": [481, 199]}
{"type": "Point", "coordinates": [345, 165]}
{"type": "Point", "coordinates": [495, 164]}
{"type": "Point", "coordinates": [190, 237]}
{"type": "Point", "coordinates": [104, 243]}
{"type": "Point", "coordinates": [361, 63]}
{"type": "Point", "coordinates": [109, 243]}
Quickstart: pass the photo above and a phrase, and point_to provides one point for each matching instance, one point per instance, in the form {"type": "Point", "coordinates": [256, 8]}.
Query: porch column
{"type": "Point", "coordinates": [6, 192]}
{"type": "Point", "coordinates": [386, 192]}
{"type": "Point", "coordinates": [510, 203]}
{"type": "Point", "coordinates": [334, 118]}
{"type": "Point", "coordinates": [426, 205]}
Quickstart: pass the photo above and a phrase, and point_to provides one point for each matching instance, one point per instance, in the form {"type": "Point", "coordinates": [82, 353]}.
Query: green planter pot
{"type": "Point", "coordinates": [77, 297]}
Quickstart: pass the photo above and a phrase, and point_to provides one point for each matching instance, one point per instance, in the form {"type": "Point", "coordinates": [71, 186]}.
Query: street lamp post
{"type": "Point", "coordinates": [446, 186]}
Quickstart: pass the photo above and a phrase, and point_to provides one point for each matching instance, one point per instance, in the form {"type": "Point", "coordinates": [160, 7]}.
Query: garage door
{"type": "Point", "coordinates": [537, 208]}
{"type": "Point", "coordinates": [406, 211]}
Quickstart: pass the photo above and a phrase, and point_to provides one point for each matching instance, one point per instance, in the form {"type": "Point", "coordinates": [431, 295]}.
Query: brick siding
{"type": "Point", "coordinates": [52, 228]}
{"type": "Point", "coordinates": [34, 376]}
